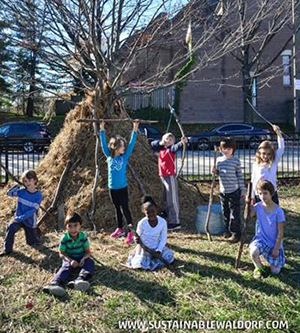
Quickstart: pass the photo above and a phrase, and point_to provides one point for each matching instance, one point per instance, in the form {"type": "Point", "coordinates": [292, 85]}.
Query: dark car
{"type": "Point", "coordinates": [29, 136]}
{"type": "Point", "coordinates": [242, 133]}
{"type": "Point", "coordinates": [151, 132]}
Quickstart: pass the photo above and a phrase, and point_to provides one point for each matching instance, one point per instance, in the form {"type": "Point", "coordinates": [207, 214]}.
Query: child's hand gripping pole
{"type": "Point", "coordinates": [246, 221]}
{"type": "Point", "coordinates": [155, 254]}
{"type": "Point", "coordinates": [211, 196]}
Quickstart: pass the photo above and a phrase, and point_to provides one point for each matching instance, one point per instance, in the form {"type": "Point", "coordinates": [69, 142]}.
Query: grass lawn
{"type": "Point", "coordinates": [203, 287]}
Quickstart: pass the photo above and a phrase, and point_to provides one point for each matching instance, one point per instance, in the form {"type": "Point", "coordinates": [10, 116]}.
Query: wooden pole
{"type": "Point", "coordinates": [141, 121]}
{"type": "Point", "coordinates": [213, 181]}
{"type": "Point", "coordinates": [246, 222]}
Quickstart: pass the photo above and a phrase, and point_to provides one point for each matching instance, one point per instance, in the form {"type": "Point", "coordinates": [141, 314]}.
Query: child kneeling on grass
{"type": "Point", "coordinates": [152, 231]}
{"type": "Point", "coordinates": [74, 249]}
{"type": "Point", "coordinates": [268, 239]}
{"type": "Point", "coordinates": [29, 200]}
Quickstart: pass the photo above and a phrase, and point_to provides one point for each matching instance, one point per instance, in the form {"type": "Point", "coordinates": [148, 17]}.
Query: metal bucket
{"type": "Point", "coordinates": [216, 222]}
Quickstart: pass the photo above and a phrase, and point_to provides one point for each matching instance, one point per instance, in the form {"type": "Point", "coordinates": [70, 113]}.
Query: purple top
{"type": "Point", "coordinates": [267, 224]}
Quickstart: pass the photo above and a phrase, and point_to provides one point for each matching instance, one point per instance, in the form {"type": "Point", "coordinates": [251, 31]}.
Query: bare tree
{"type": "Point", "coordinates": [100, 41]}
{"type": "Point", "coordinates": [258, 23]}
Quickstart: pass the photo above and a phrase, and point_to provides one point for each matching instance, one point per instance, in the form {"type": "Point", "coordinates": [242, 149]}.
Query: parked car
{"type": "Point", "coordinates": [151, 132]}
{"type": "Point", "coordinates": [29, 136]}
{"type": "Point", "coordinates": [241, 132]}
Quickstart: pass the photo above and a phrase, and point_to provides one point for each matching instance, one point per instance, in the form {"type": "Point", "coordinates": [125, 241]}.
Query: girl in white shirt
{"type": "Point", "coordinates": [152, 231]}
{"type": "Point", "coordinates": [266, 163]}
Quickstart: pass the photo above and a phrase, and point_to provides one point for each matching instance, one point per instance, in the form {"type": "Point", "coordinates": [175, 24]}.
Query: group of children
{"type": "Point", "coordinates": [74, 247]}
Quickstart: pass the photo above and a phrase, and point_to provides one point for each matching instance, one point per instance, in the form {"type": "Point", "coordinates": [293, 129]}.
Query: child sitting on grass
{"type": "Point", "coordinates": [28, 203]}
{"type": "Point", "coordinates": [269, 231]}
{"type": "Point", "coordinates": [152, 231]}
{"type": "Point", "coordinates": [74, 249]}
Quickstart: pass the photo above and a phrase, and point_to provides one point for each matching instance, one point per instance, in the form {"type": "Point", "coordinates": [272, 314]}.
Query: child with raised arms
{"type": "Point", "coordinates": [117, 156]}
{"type": "Point", "coordinates": [166, 170]}
{"type": "Point", "coordinates": [266, 163]}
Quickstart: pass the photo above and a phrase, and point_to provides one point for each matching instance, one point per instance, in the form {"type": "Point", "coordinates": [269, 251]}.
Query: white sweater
{"type": "Point", "coordinates": [267, 172]}
{"type": "Point", "coordinates": [155, 238]}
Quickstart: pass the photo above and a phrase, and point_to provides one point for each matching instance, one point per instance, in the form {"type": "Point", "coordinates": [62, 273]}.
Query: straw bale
{"type": "Point", "coordinates": [75, 142]}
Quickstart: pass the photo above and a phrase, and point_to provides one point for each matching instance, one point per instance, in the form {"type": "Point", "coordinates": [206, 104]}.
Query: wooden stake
{"type": "Point", "coordinates": [141, 121]}
{"type": "Point", "coordinates": [213, 181]}
{"type": "Point", "coordinates": [246, 222]}
{"type": "Point", "coordinates": [57, 192]}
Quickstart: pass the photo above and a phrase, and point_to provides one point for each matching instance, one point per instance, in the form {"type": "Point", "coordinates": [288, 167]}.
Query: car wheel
{"type": "Point", "coordinates": [28, 147]}
{"type": "Point", "coordinates": [254, 142]}
{"type": "Point", "coordinates": [203, 144]}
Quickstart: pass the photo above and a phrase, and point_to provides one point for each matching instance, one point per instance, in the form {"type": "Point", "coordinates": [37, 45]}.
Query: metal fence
{"type": "Point", "coordinates": [158, 98]}
{"type": "Point", "coordinates": [198, 163]}
{"type": "Point", "coordinates": [17, 161]}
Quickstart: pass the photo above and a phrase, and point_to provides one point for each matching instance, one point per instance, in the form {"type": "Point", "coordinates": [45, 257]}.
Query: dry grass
{"type": "Point", "coordinates": [205, 285]}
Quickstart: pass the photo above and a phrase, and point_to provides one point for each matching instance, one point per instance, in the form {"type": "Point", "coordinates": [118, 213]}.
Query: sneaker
{"type": "Point", "coordinates": [174, 226]}
{"type": "Point", "coordinates": [259, 272]}
{"type": "Point", "coordinates": [233, 239]}
{"type": "Point", "coordinates": [4, 253]}
{"type": "Point", "coordinates": [227, 235]}
{"type": "Point", "coordinates": [71, 284]}
{"type": "Point", "coordinates": [81, 284]}
{"type": "Point", "coordinates": [118, 233]}
{"type": "Point", "coordinates": [130, 238]}
{"type": "Point", "coordinates": [54, 289]}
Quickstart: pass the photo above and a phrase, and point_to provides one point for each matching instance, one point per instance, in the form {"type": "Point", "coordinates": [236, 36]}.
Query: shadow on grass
{"type": "Point", "coordinates": [121, 280]}
{"type": "Point", "coordinates": [213, 271]}
{"type": "Point", "coordinates": [49, 262]}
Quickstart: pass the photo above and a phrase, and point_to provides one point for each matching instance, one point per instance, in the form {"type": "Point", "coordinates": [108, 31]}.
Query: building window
{"type": "Point", "coordinates": [286, 64]}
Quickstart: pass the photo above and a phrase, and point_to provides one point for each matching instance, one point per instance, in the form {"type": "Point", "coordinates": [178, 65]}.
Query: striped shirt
{"type": "Point", "coordinates": [230, 174]}
{"type": "Point", "coordinates": [28, 204]}
{"type": "Point", "coordinates": [74, 248]}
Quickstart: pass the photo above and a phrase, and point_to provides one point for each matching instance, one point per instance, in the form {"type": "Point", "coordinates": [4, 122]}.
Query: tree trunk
{"type": "Point", "coordinates": [30, 101]}
{"type": "Point", "coordinates": [32, 87]}
{"type": "Point", "coordinates": [247, 95]}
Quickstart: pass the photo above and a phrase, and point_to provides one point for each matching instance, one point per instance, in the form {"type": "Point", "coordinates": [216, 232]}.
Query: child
{"type": "Point", "coordinates": [152, 231]}
{"type": "Point", "coordinates": [232, 188]}
{"type": "Point", "coordinates": [269, 231]}
{"type": "Point", "coordinates": [166, 169]}
{"type": "Point", "coordinates": [266, 162]}
{"type": "Point", "coordinates": [117, 156]}
{"type": "Point", "coordinates": [28, 203]}
{"type": "Point", "coordinates": [74, 249]}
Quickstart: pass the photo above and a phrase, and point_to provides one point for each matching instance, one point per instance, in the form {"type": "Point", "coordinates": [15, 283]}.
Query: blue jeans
{"type": "Point", "coordinates": [30, 234]}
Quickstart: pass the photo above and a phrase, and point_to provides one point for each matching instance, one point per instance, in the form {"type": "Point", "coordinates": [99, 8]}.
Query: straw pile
{"type": "Point", "coordinates": [76, 142]}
